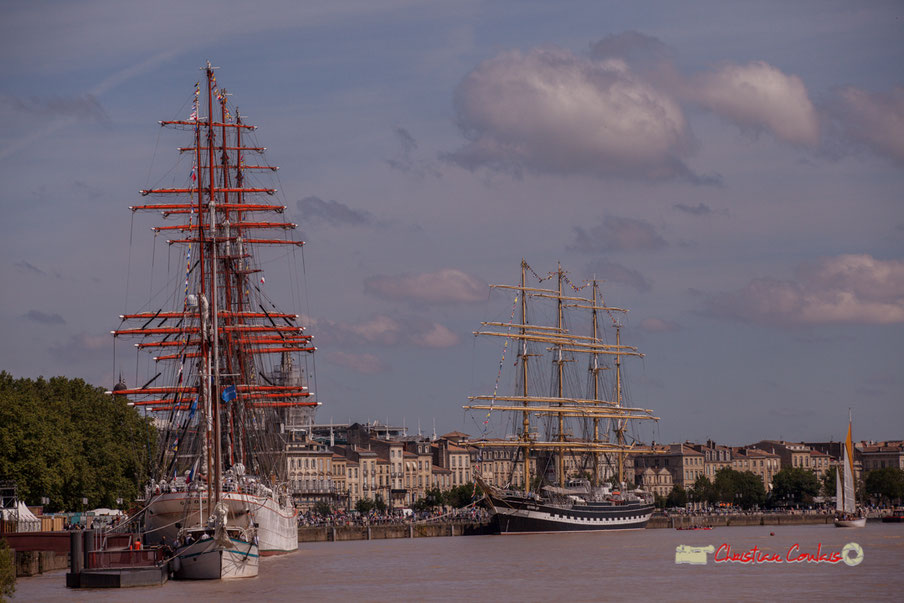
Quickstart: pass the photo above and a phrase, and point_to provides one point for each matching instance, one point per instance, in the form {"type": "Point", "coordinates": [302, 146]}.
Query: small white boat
{"type": "Point", "coordinates": [854, 522]}
{"type": "Point", "coordinates": [217, 552]}
{"type": "Point", "coordinates": [207, 557]}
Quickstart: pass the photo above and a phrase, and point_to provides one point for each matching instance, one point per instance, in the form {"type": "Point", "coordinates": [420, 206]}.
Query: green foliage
{"type": "Point", "coordinates": [795, 485]}
{"type": "Point", "coordinates": [434, 497]}
{"type": "Point", "coordinates": [7, 571]}
{"type": "Point", "coordinates": [659, 501]}
{"type": "Point", "coordinates": [742, 488]}
{"type": "Point", "coordinates": [323, 508]}
{"type": "Point", "coordinates": [64, 439]}
{"type": "Point", "coordinates": [364, 505]}
{"type": "Point", "coordinates": [703, 491]}
{"type": "Point", "coordinates": [677, 497]}
{"type": "Point", "coordinates": [828, 482]}
{"type": "Point", "coordinates": [460, 496]}
{"type": "Point", "coordinates": [379, 503]}
{"type": "Point", "coordinates": [886, 484]}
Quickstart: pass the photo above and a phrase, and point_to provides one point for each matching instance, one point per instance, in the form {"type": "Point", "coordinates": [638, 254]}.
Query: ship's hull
{"type": "Point", "coordinates": [207, 560]}
{"type": "Point", "coordinates": [859, 522]}
{"type": "Point", "coordinates": [277, 526]}
{"type": "Point", "coordinates": [515, 515]}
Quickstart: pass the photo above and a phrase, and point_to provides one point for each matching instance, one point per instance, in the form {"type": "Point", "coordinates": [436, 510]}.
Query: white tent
{"type": "Point", "coordinates": [27, 522]}
{"type": "Point", "coordinates": [105, 512]}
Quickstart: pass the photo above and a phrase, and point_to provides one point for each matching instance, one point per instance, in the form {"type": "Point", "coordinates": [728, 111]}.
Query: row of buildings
{"type": "Point", "coordinates": [342, 464]}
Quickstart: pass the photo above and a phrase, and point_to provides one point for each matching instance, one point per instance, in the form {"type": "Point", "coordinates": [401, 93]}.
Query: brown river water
{"type": "Point", "coordinates": [632, 565]}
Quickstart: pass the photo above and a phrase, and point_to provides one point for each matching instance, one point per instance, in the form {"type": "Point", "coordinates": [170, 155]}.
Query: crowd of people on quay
{"type": "Point", "coordinates": [722, 511]}
{"type": "Point", "coordinates": [397, 516]}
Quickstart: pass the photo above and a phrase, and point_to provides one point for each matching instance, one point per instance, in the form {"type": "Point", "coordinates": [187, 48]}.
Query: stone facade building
{"type": "Point", "coordinates": [879, 455]}
{"type": "Point", "coordinates": [653, 480]}
{"type": "Point", "coordinates": [682, 461]}
{"type": "Point", "coordinates": [759, 462]}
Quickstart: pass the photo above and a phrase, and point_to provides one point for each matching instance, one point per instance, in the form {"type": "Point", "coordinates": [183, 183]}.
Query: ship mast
{"type": "Point", "coordinates": [210, 344]}
{"type": "Point", "coordinates": [214, 390]}
{"type": "Point", "coordinates": [560, 377]}
{"type": "Point", "coordinates": [619, 423]}
{"type": "Point", "coordinates": [595, 381]}
{"type": "Point", "coordinates": [525, 420]}
{"type": "Point", "coordinates": [559, 405]}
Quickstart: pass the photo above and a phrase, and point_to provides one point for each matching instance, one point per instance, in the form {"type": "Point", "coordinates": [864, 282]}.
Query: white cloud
{"type": "Point", "coordinates": [613, 272]}
{"type": "Point", "coordinates": [551, 111]}
{"type": "Point", "coordinates": [855, 289]}
{"type": "Point", "coordinates": [659, 325]}
{"type": "Point", "coordinates": [618, 234]}
{"type": "Point", "coordinates": [758, 95]}
{"type": "Point", "coordinates": [82, 347]}
{"type": "Point", "coordinates": [447, 286]}
{"type": "Point", "coordinates": [381, 330]}
{"type": "Point", "coordinates": [876, 120]}
{"type": "Point", "coordinates": [435, 336]}
{"type": "Point", "coordinates": [369, 364]}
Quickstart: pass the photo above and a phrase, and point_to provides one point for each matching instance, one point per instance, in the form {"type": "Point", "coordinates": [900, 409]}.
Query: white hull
{"type": "Point", "coordinates": [277, 527]}
{"type": "Point", "coordinates": [206, 560]}
{"type": "Point", "coordinates": [860, 522]}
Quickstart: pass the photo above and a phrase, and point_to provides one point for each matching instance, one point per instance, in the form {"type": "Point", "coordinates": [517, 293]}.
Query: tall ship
{"type": "Point", "coordinates": [225, 367]}
{"type": "Point", "coordinates": [566, 436]}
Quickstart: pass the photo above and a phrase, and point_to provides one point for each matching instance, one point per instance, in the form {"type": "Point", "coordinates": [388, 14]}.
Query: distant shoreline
{"type": "Point", "coordinates": [474, 528]}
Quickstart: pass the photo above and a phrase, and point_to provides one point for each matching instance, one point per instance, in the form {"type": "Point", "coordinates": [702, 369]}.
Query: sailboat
{"type": "Point", "coordinates": [566, 443]}
{"type": "Point", "coordinates": [847, 515]}
{"type": "Point", "coordinates": [226, 361]}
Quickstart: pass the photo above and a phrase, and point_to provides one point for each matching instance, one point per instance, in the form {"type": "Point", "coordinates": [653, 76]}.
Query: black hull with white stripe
{"type": "Point", "coordinates": [519, 515]}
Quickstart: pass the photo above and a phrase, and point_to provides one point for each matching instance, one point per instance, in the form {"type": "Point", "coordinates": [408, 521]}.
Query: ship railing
{"type": "Point", "coordinates": [123, 558]}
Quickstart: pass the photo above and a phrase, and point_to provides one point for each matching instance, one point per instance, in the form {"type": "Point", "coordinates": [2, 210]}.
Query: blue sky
{"type": "Point", "coordinates": [732, 170]}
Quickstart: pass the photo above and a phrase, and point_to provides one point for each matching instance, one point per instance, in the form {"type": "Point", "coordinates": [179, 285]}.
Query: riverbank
{"type": "Point", "coordinates": [739, 519]}
{"type": "Point", "coordinates": [397, 530]}
{"type": "Point", "coordinates": [476, 528]}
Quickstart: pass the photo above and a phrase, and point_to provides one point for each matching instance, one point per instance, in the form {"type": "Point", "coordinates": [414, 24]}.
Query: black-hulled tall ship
{"type": "Point", "coordinates": [566, 446]}
{"type": "Point", "coordinates": [225, 372]}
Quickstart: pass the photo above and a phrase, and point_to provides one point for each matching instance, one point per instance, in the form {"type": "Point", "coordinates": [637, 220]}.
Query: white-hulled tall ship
{"type": "Point", "coordinates": [566, 443]}
{"type": "Point", "coordinates": [225, 358]}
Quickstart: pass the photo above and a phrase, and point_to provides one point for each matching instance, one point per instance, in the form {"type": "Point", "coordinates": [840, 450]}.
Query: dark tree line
{"type": "Point", "coordinates": [457, 497]}
{"type": "Point", "coordinates": [742, 488]}
{"type": "Point", "coordinates": [66, 440]}
{"type": "Point", "coordinates": [885, 485]}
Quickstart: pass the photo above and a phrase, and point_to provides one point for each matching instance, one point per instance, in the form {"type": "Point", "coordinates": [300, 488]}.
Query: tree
{"type": "Point", "coordinates": [65, 439]}
{"type": "Point", "coordinates": [379, 503]}
{"type": "Point", "coordinates": [677, 497]}
{"type": "Point", "coordinates": [434, 497]}
{"type": "Point", "coordinates": [323, 508]}
{"type": "Point", "coordinates": [364, 505]}
{"type": "Point", "coordinates": [795, 485]}
{"type": "Point", "coordinates": [828, 482]}
{"type": "Point", "coordinates": [744, 489]}
{"type": "Point", "coordinates": [886, 484]}
{"type": "Point", "coordinates": [703, 491]}
{"type": "Point", "coordinates": [460, 496]}
{"type": "Point", "coordinates": [7, 571]}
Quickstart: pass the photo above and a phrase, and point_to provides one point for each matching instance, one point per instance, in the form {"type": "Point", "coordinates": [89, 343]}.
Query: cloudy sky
{"type": "Point", "coordinates": [733, 171]}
